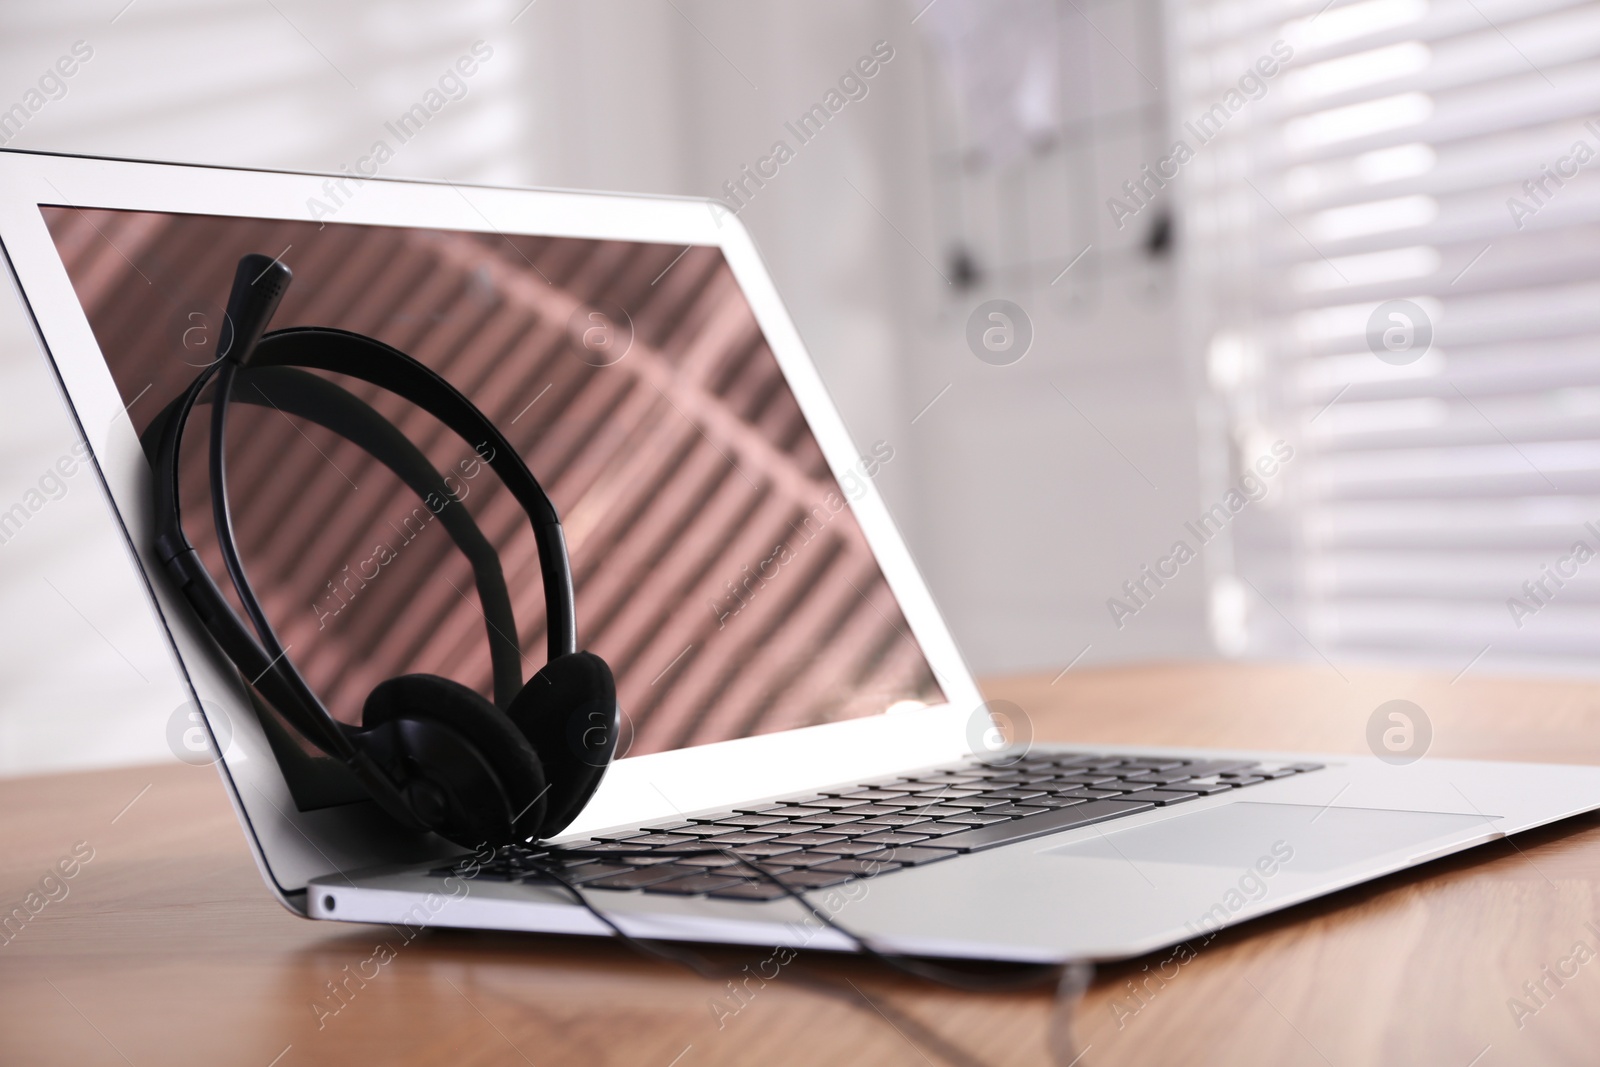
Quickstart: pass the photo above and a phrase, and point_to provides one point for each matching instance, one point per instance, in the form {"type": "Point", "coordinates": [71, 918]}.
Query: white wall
{"type": "Point", "coordinates": [1026, 513]}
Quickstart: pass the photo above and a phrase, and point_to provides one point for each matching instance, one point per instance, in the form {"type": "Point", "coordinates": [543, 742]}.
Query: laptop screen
{"type": "Point", "coordinates": [717, 564]}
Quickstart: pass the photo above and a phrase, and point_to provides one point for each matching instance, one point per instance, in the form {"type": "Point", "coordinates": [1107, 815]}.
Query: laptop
{"type": "Point", "coordinates": [789, 690]}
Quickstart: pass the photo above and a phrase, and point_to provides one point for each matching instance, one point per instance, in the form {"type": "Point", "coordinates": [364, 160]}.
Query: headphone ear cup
{"type": "Point", "coordinates": [568, 712]}
{"type": "Point", "coordinates": [441, 705]}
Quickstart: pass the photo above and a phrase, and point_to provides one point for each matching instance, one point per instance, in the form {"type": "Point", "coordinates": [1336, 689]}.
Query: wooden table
{"type": "Point", "coordinates": [167, 949]}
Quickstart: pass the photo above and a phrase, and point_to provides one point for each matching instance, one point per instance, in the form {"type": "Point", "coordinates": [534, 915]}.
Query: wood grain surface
{"type": "Point", "coordinates": [165, 948]}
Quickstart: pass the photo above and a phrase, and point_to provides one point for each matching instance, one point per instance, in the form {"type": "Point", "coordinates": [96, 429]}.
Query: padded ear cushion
{"type": "Point", "coordinates": [568, 712]}
{"type": "Point", "coordinates": [450, 704]}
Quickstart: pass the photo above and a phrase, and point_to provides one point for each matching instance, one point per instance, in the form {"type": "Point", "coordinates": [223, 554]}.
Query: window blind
{"type": "Point", "coordinates": [1443, 504]}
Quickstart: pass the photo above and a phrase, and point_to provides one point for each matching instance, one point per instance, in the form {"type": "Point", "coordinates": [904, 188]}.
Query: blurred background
{"type": "Point", "coordinates": [1307, 288]}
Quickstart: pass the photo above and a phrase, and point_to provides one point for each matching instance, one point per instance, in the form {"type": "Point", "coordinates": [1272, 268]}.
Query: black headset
{"type": "Point", "coordinates": [433, 753]}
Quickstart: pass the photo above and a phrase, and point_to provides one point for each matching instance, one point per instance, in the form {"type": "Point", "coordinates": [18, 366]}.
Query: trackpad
{"type": "Point", "coordinates": [1239, 835]}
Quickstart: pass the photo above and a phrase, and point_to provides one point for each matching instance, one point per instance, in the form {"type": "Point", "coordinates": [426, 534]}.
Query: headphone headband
{"type": "Point", "coordinates": [296, 392]}
{"type": "Point", "coordinates": [343, 352]}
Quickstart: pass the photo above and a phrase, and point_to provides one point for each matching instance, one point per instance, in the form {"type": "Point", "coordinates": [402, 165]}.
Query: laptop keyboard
{"type": "Point", "coordinates": [840, 835]}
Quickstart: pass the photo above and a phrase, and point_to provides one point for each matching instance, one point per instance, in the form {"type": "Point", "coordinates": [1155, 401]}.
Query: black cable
{"type": "Point", "coordinates": [692, 960]}
{"type": "Point", "coordinates": [1022, 976]}
{"type": "Point", "coordinates": [703, 967]}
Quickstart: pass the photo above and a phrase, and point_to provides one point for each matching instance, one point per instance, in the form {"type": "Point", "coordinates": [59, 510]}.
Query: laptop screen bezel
{"type": "Point", "coordinates": [291, 846]}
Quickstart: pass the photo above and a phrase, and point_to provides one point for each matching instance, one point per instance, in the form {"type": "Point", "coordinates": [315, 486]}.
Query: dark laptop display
{"type": "Point", "coordinates": [718, 566]}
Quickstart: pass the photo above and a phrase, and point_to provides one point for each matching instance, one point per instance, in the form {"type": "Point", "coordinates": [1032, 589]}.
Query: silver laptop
{"type": "Point", "coordinates": [789, 689]}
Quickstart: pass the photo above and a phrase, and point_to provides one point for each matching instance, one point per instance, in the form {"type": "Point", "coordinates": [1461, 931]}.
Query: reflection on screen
{"type": "Point", "coordinates": [718, 566]}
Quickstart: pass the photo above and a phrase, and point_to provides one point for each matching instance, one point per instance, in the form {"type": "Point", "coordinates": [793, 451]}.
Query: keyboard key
{"type": "Point", "coordinates": [787, 830]}
{"type": "Point", "coordinates": [608, 846]}
{"type": "Point", "coordinates": [802, 859]}
{"type": "Point", "coordinates": [656, 839]}
{"type": "Point", "coordinates": [749, 822]}
{"type": "Point", "coordinates": [1165, 796]}
{"type": "Point", "coordinates": [1302, 768]}
{"type": "Point", "coordinates": [791, 813]}
{"type": "Point", "coordinates": [936, 811]}
{"type": "Point", "coordinates": [1206, 768]}
{"type": "Point", "coordinates": [844, 848]}
{"type": "Point", "coordinates": [977, 818]}
{"type": "Point", "coordinates": [812, 879]}
{"type": "Point", "coordinates": [579, 873]}
{"type": "Point", "coordinates": [640, 877]}
{"type": "Point", "coordinates": [1056, 802]}
{"type": "Point", "coordinates": [762, 890]}
{"type": "Point", "coordinates": [660, 828]}
{"type": "Point", "coordinates": [1014, 812]}
{"type": "Point", "coordinates": [939, 829]}
{"type": "Point", "coordinates": [772, 848]}
{"type": "Point", "coordinates": [689, 846]}
{"type": "Point", "coordinates": [1092, 794]}
{"type": "Point", "coordinates": [973, 803]}
{"type": "Point", "coordinates": [912, 856]}
{"type": "Point", "coordinates": [952, 792]}
{"type": "Point", "coordinates": [1243, 781]}
{"type": "Point", "coordinates": [1207, 786]}
{"type": "Point", "coordinates": [883, 821]}
{"type": "Point", "coordinates": [1155, 764]}
{"type": "Point", "coordinates": [830, 804]}
{"type": "Point", "coordinates": [702, 830]}
{"type": "Point", "coordinates": [526, 852]}
{"type": "Point", "coordinates": [892, 839]}
{"type": "Point", "coordinates": [918, 801]}
{"type": "Point", "coordinates": [809, 839]}
{"type": "Point", "coordinates": [1158, 777]}
{"type": "Point", "coordinates": [867, 811]}
{"type": "Point", "coordinates": [711, 861]}
{"type": "Point", "coordinates": [832, 819]}
{"type": "Point", "coordinates": [877, 794]}
{"type": "Point", "coordinates": [1015, 796]}
{"type": "Point", "coordinates": [694, 884]}
{"type": "Point", "coordinates": [1051, 822]}
{"type": "Point", "coordinates": [742, 839]}
{"type": "Point", "coordinates": [861, 868]}
{"type": "Point", "coordinates": [852, 829]}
